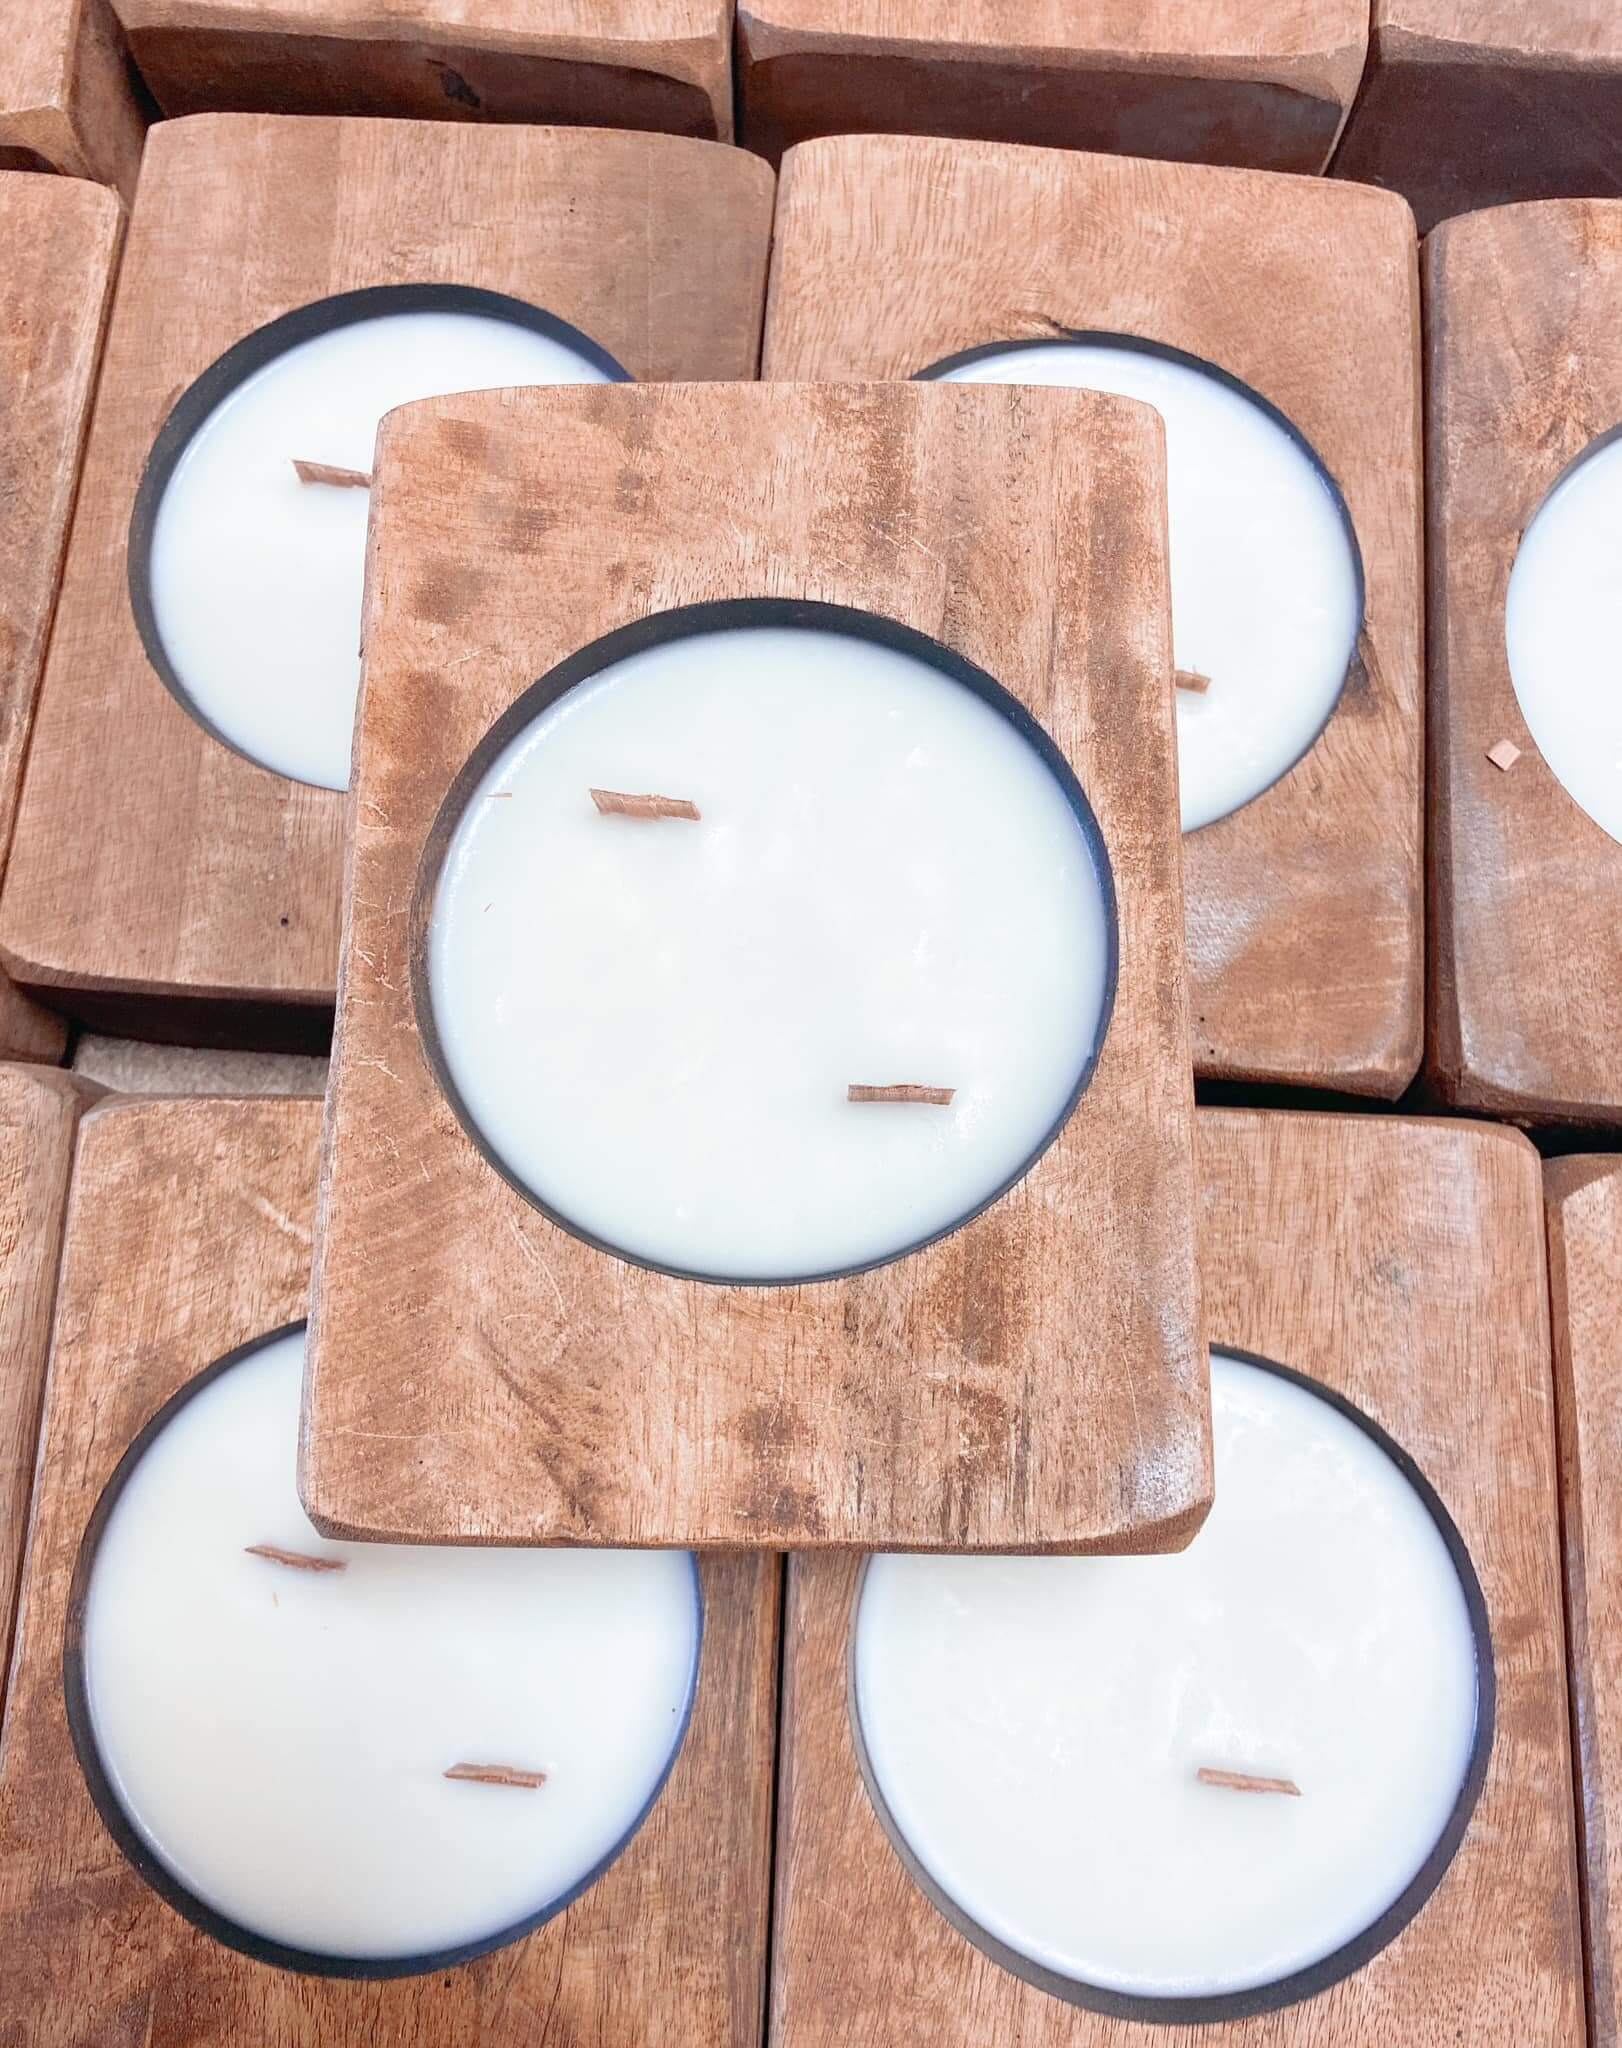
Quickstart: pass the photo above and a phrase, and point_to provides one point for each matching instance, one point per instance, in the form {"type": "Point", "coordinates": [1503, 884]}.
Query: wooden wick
{"type": "Point", "coordinates": [1191, 679]}
{"type": "Point", "coordinates": [497, 1774]}
{"type": "Point", "coordinates": [901, 1091]}
{"type": "Point", "coordinates": [616, 803]}
{"type": "Point", "coordinates": [329, 473]}
{"type": "Point", "coordinates": [297, 1560]}
{"type": "Point", "coordinates": [1242, 1781]}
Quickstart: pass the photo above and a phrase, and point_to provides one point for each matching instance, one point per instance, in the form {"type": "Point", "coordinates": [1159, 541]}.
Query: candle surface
{"type": "Point", "coordinates": [1563, 627]}
{"type": "Point", "coordinates": [256, 577]}
{"type": "Point", "coordinates": [279, 1737]}
{"type": "Point", "coordinates": [1265, 592]}
{"type": "Point", "coordinates": [1035, 1725]}
{"type": "Point", "coordinates": [654, 1024]}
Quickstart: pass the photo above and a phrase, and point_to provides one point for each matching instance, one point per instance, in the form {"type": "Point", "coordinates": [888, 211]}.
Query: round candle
{"type": "Point", "coordinates": [278, 1735]}
{"type": "Point", "coordinates": [1036, 1726]}
{"type": "Point", "coordinates": [654, 1024]}
{"type": "Point", "coordinates": [1266, 589]}
{"type": "Point", "coordinates": [255, 576]}
{"type": "Point", "coordinates": [1563, 626]}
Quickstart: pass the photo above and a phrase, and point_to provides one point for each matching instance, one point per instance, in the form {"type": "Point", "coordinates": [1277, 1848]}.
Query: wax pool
{"type": "Point", "coordinates": [1563, 626]}
{"type": "Point", "coordinates": [654, 1024]}
{"type": "Point", "coordinates": [1265, 592]}
{"type": "Point", "coordinates": [256, 577]}
{"type": "Point", "coordinates": [279, 1737]}
{"type": "Point", "coordinates": [1035, 1726]}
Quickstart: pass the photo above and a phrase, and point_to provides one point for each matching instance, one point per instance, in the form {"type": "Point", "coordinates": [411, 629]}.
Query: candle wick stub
{"type": "Point", "coordinates": [497, 1774]}
{"type": "Point", "coordinates": [1191, 679]}
{"type": "Point", "coordinates": [330, 473]}
{"type": "Point", "coordinates": [901, 1091]}
{"type": "Point", "coordinates": [296, 1560]}
{"type": "Point", "coordinates": [1243, 1781]}
{"type": "Point", "coordinates": [617, 803]}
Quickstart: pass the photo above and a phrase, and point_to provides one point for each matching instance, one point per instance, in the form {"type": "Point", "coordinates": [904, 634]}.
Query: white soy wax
{"type": "Point", "coordinates": [1563, 628]}
{"type": "Point", "coordinates": [256, 577]}
{"type": "Point", "coordinates": [1265, 592]}
{"type": "Point", "coordinates": [279, 1737]}
{"type": "Point", "coordinates": [653, 1025]}
{"type": "Point", "coordinates": [1036, 1725]}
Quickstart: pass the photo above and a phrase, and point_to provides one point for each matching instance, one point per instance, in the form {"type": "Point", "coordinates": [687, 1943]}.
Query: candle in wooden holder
{"type": "Point", "coordinates": [1468, 103]}
{"type": "Point", "coordinates": [641, 251]}
{"type": "Point", "coordinates": [237, 1752]}
{"type": "Point", "coordinates": [1525, 510]}
{"type": "Point", "coordinates": [916, 684]}
{"type": "Point", "coordinates": [1260, 82]}
{"type": "Point", "coordinates": [68, 100]}
{"type": "Point", "coordinates": [1309, 1779]}
{"type": "Point", "coordinates": [664, 64]}
{"type": "Point", "coordinates": [1276, 329]}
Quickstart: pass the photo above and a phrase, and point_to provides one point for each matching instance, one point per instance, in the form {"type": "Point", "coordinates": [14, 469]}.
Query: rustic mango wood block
{"type": "Point", "coordinates": [59, 241]}
{"type": "Point", "coordinates": [39, 1110]}
{"type": "Point", "coordinates": [189, 1235]}
{"type": "Point", "coordinates": [1469, 103]}
{"type": "Point", "coordinates": [1260, 82]}
{"type": "Point", "coordinates": [1524, 318]}
{"type": "Point", "coordinates": [1400, 1264]}
{"type": "Point", "coordinates": [894, 254]}
{"type": "Point", "coordinates": [1584, 1201]}
{"type": "Point", "coordinates": [193, 895]}
{"type": "Point", "coordinates": [1033, 1379]}
{"type": "Point", "coordinates": [661, 64]}
{"type": "Point", "coordinates": [69, 97]}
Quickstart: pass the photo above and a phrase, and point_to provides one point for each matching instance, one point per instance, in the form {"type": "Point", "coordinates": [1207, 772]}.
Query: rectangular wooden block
{"type": "Point", "coordinates": [69, 97]}
{"type": "Point", "coordinates": [1524, 325]}
{"type": "Point", "coordinates": [189, 1235]}
{"type": "Point", "coordinates": [892, 254]}
{"type": "Point", "coordinates": [1399, 1263]}
{"type": "Point", "coordinates": [1035, 1379]}
{"type": "Point", "coordinates": [193, 895]}
{"type": "Point", "coordinates": [659, 64]}
{"type": "Point", "coordinates": [1469, 103]}
{"type": "Point", "coordinates": [1260, 82]}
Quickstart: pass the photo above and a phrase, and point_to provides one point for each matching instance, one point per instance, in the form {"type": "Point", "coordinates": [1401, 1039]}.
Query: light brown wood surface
{"type": "Point", "coordinates": [39, 1110]}
{"type": "Point", "coordinates": [133, 1066]}
{"type": "Point", "coordinates": [69, 99]}
{"type": "Point", "coordinates": [1034, 1380]}
{"type": "Point", "coordinates": [189, 1234]}
{"type": "Point", "coordinates": [1524, 326]}
{"type": "Point", "coordinates": [662, 64]}
{"type": "Point", "coordinates": [1260, 82]}
{"type": "Point", "coordinates": [1401, 1263]}
{"type": "Point", "coordinates": [1584, 1196]}
{"type": "Point", "coordinates": [1472, 103]}
{"type": "Point", "coordinates": [1305, 906]}
{"type": "Point", "coordinates": [194, 895]}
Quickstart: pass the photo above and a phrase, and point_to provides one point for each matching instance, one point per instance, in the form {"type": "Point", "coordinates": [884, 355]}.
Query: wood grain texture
{"type": "Point", "coordinates": [39, 1111]}
{"type": "Point", "coordinates": [58, 250]}
{"type": "Point", "coordinates": [1401, 1263]}
{"type": "Point", "coordinates": [1034, 1380]}
{"type": "Point", "coordinates": [659, 64]}
{"type": "Point", "coordinates": [131, 1066]}
{"type": "Point", "coordinates": [1265, 83]}
{"type": "Point", "coordinates": [1471, 103]}
{"type": "Point", "coordinates": [1305, 906]}
{"type": "Point", "coordinates": [189, 1234]}
{"type": "Point", "coordinates": [195, 895]}
{"type": "Point", "coordinates": [1524, 326]}
{"type": "Point", "coordinates": [69, 99]}
{"type": "Point", "coordinates": [1584, 1203]}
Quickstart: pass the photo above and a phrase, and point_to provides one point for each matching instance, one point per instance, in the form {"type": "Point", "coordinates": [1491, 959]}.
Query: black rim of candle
{"type": "Point", "coordinates": [1219, 2008]}
{"type": "Point", "coordinates": [147, 1863]}
{"type": "Point", "coordinates": [244, 359]}
{"type": "Point", "coordinates": [683, 622]}
{"type": "Point", "coordinates": [1138, 344]}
